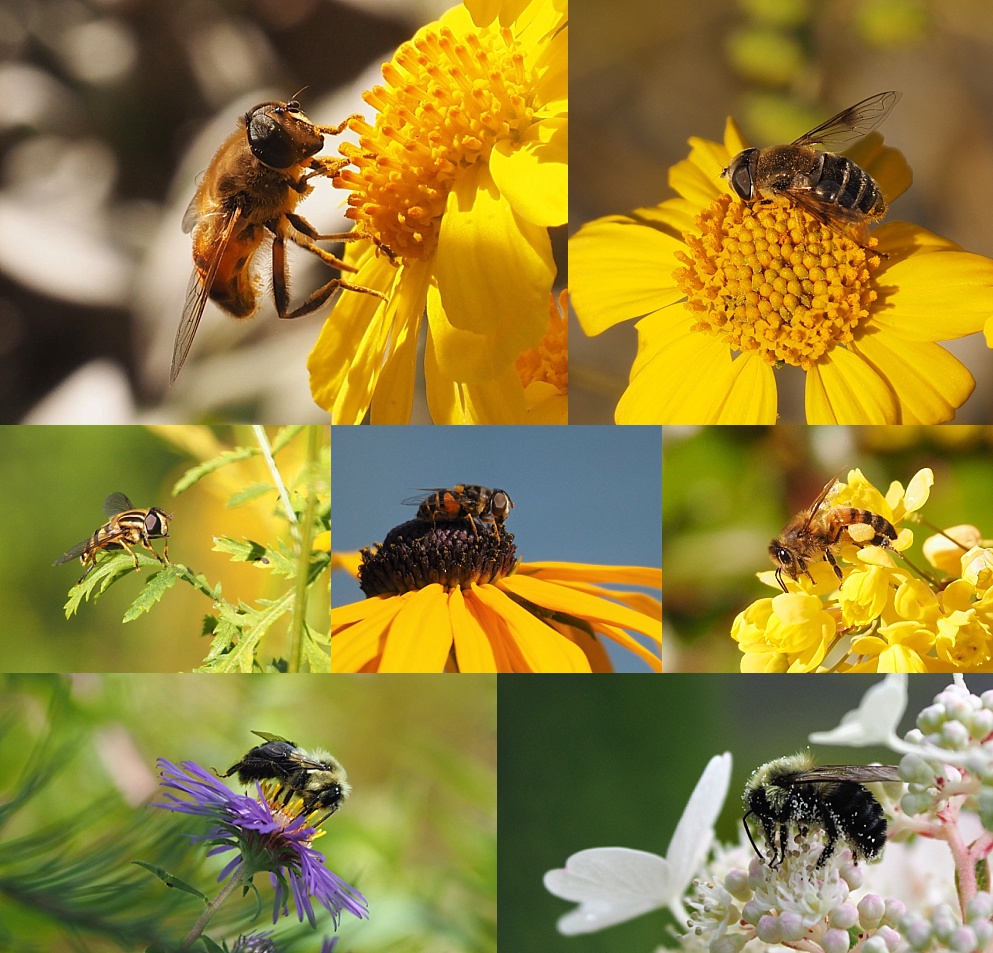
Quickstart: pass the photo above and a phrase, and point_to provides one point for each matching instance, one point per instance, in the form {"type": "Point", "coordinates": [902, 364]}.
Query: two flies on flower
{"type": "Point", "coordinates": [829, 187]}
{"type": "Point", "coordinates": [128, 526]}
{"type": "Point", "coordinates": [287, 773]}
{"type": "Point", "coordinates": [479, 505]}
{"type": "Point", "coordinates": [246, 202]}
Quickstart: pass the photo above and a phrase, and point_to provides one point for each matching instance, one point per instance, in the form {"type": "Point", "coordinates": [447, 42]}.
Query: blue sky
{"type": "Point", "coordinates": [581, 494]}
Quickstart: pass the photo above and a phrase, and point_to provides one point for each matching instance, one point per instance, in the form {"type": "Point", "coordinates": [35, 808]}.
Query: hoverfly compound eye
{"type": "Point", "coordinates": [741, 179]}
{"type": "Point", "coordinates": [152, 522]}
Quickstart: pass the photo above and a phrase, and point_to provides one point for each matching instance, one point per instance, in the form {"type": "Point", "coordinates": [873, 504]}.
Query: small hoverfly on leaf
{"type": "Point", "coordinates": [246, 200]}
{"type": "Point", "coordinates": [465, 501]}
{"type": "Point", "coordinates": [128, 526]}
{"type": "Point", "coordinates": [830, 187]}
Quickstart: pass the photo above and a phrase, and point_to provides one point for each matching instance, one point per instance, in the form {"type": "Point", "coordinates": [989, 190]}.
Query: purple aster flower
{"type": "Point", "coordinates": [264, 839]}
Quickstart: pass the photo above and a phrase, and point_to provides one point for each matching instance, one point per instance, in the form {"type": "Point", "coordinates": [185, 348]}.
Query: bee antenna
{"type": "Point", "coordinates": [296, 95]}
{"type": "Point", "coordinates": [748, 834]}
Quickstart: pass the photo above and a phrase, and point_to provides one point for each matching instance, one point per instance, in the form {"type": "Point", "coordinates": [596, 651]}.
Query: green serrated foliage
{"type": "Point", "coordinates": [197, 473]}
{"type": "Point", "coordinates": [209, 945]}
{"type": "Point", "coordinates": [108, 570]}
{"type": "Point", "coordinates": [153, 590]}
{"type": "Point", "coordinates": [317, 656]}
{"type": "Point", "coordinates": [285, 435]}
{"type": "Point", "coordinates": [250, 493]}
{"type": "Point", "coordinates": [171, 880]}
{"type": "Point", "coordinates": [241, 550]}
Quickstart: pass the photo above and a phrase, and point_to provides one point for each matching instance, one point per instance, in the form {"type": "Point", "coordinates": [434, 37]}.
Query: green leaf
{"type": "Point", "coordinates": [154, 590]}
{"type": "Point", "coordinates": [242, 550]}
{"type": "Point", "coordinates": [249, 493]}
{"type": "Point", "coordinates": [170, 880]}
{"type": "Point", "coordinates": [197, 473]}
{"type": "Point", "coordinates": [115, 565]}
{"type": "Point", "coordinates": [285, 435]}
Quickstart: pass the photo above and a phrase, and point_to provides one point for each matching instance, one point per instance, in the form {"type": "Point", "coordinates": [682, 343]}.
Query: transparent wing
{"type": "Point", "coordinates": [426, 492]}
{"type": "Point", "coordinates": [266, 736]}
{"type": "Point", "coordinates": [823, 496]}
{"type": "Point", "coordinates": [197, 293]}
{"type": "Point", "coordinates": [71, 554]}
{"type": "Point", "coordinates": [847, 221]}
{"type": "Point", "coordinates": [116, 503]}
{"type": "Point", "coordinates": [859, 773]}
{"type": "Point", "coordinates": [852, 123]}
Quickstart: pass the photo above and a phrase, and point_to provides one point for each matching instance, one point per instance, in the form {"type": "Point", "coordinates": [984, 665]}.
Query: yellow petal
{"type": "Point", "coordinates": [472, 648]}
{"type": "Point", "coordinates": [494, 273]}
{"type": "Point", "coordinates": [420, 638]}
{"type": "Point", "coordinates": [533, 174]}
{"type": "Point", "coordinates": [844, 389]}
{"type": "Point", "coordinates": [619, 271]}
{"type": "Point", "coordinates": [930, 383]}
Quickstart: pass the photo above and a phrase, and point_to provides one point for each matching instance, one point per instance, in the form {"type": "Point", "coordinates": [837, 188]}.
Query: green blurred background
{"type": "Point", "coordinates": [53, 483]}
{"type": "Point", "coordinates": [417, 836]}
{"type": "Point", "coordinates": [729, 490]}
{"type": "Point", "coordinates": [610, 761]}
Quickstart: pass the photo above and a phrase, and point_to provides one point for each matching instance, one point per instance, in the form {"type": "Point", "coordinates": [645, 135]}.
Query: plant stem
{"type": "Point", "coordinates": [299, 613]}
{"type": "Point", "coordinates": [212, 908]}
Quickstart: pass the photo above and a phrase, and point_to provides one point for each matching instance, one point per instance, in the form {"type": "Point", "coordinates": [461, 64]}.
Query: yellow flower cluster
{"type": "Point", "coordinates": [885, 616]}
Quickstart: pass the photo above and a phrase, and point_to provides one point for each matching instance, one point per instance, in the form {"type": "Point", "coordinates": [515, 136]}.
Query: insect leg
{"type": "Point", "coordinates": [829, 556]}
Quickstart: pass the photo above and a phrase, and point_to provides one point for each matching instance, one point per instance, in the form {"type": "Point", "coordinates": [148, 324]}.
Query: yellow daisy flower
{"type": "Point", "coordinates": [885, 616]}
{"type": "Point", "coordinates": [725, 293]}
{"type": "Point", "coordinates": [444, 597]}
{"type": "Point", "coordinates": [461, 177]}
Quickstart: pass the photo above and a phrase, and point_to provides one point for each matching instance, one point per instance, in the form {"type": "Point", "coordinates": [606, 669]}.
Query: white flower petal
{"type": "Point", "coordinates": [875, 720]}
{"type": "Point", "coordinates": [691, 840]}
{"type": "Point", "coordinates": [611, 884]}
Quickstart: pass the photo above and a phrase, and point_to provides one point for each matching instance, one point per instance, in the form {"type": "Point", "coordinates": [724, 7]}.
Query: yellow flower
{"type": "Point", "coordinates": [890, 617]}
{"type": "Point", "coordinates": [461, 177]}
{"type": "Point", "coordinates": [443, 598]}
{"type": "Point", "coordinates": [727, 292]}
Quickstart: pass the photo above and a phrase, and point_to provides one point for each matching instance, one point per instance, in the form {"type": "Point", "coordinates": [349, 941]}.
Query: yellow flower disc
{"type": "Point", "coordinates": [447, 101]}
{"type": "Point", "coordinates": [769, 277]}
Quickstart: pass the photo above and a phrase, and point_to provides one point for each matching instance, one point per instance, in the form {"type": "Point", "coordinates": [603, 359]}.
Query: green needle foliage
{"type": "Point", "coordinates": [236, 629]}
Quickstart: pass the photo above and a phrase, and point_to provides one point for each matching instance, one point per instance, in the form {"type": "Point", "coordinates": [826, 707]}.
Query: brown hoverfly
{"type": "Point", "coordinates": [814, 531]}
{"type": "Point", "coordinates": [128, 526]}
{"type": "Point", "coordinates": [246, 200]}
{"type": "Point", "coordinates": [830, 187]}
{"type": "Point", "coordinates": [465, 501]}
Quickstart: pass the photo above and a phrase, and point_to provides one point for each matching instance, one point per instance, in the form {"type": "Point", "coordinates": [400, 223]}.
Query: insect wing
{"type": "Point", "coordinates": [851, 123]}
{"type": "Point", "coordinates": [197, 293]}
{"type": "Point", "coordinates": [71, 554]}
{"type": "Point", "coordinates": [425, 494]}
{"type": "Point", "coordinates": [857, 773]}
{"type": "Point", "coordinates": [847, 221]}
{"type": "Point", "coordinates": [116, 503]}
{"type": "Point", "coordinates": [265, 735]}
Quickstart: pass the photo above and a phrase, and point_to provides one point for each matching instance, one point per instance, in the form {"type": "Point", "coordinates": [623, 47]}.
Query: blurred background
{"type": "Point", "coordinates": [417, 836]}
{"type": "Point", "coordinates": [52, 489]}
{"type": "Point", "coordinates": [645, 76]}
{"type": "Point", "coordinates": [730, 490]}
{"type": "Point", "coordinates": [109, 111]}
{"type": "Point", "coordinates": [581, 494]}
{"type": "Point", "coordinates": [608, 762]}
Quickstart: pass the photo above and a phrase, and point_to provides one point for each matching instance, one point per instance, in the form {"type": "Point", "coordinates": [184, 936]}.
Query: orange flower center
{"type": "Point", "coordinates": [446, 102]}
{"type": "Point", "coordinates": [548, 363]}
{"type": "Point", "coordinates": [770, 277]}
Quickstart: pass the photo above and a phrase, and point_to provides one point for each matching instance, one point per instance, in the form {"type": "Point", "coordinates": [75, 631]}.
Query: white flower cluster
{"type": "Point", "coordinates": [913, 900]}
